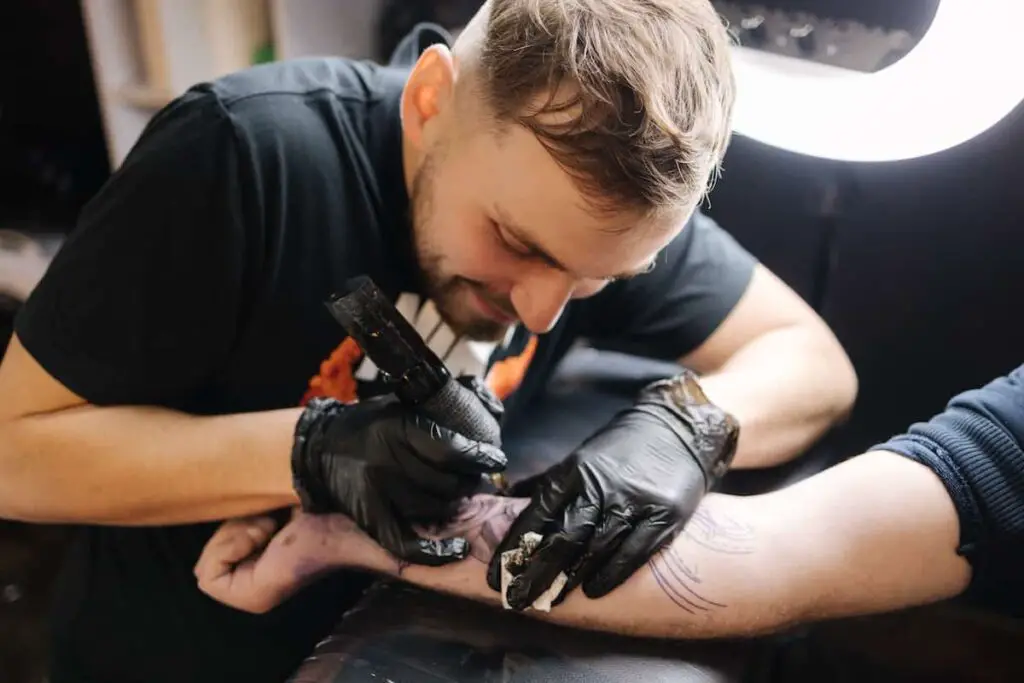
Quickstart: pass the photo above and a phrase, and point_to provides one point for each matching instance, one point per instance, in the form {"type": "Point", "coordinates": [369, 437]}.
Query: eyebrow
{"type": "Point", "coordinates": [538, 251]}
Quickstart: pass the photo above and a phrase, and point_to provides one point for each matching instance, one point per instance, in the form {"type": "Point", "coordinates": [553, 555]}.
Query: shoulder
{"type": "Point", "coordinates": [299, 80]}
{"type": "Point", "coordinates": [703, 241]}
{"type": "Point", "coordinates": [306, 121]}
{"type": "Point", "coordinates": [292, 102]}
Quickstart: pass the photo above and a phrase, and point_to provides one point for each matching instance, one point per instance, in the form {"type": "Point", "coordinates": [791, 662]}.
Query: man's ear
{"type": "Point", "coordinates": [428, 93]}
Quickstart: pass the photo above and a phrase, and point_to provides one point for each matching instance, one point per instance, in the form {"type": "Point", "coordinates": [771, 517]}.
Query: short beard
{"type": "Point", "coordinates": [442, 289]}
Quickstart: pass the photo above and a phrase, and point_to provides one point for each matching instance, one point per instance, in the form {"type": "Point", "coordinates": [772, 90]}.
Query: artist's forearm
{"type": "Point", "coordinates": [786, 388]}
{"type": "Point", "coordinates": [142, 465]}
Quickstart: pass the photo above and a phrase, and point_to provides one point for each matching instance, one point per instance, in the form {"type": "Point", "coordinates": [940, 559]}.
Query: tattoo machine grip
{"type": "Point", "coordinates": [419, 376]}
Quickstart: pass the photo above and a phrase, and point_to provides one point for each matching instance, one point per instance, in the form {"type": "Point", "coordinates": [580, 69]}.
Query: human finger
{"type": "Point", "coordinates": [557, 553]}
{"type": "Point", "coordinates": [636, 549]}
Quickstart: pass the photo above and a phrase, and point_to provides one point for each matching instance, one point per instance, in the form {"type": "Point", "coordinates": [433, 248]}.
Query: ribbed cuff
{"type": "Point", "coordinates": [972, 456]}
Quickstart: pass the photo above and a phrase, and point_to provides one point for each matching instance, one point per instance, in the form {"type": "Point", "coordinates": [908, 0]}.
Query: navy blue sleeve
{"type": "Point", "coordinates": [698, 280]}
{"type": "Point", "coordinates": [976, 447]}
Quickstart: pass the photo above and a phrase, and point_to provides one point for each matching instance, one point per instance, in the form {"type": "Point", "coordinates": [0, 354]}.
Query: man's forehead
{"type": "Point", "coordinates": [543, 204]}
{"type": "Point", "coordinates": [527, 181]}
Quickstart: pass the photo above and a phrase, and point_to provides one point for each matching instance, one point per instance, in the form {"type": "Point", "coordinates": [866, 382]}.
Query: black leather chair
{"type": "Point", "coordinates": [917, 265]}
{"type": "Point", "coordinates": [407, 635]}
{"type": "Point", "coordinates": [927, 278]}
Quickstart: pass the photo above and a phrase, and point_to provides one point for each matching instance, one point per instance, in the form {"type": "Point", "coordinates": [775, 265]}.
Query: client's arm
{"type": "Point", "coordinates": [874, 534]}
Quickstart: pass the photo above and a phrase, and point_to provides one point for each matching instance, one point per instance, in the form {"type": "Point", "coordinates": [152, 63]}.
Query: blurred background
{"type": "Point", "coordinates": [916, 263]}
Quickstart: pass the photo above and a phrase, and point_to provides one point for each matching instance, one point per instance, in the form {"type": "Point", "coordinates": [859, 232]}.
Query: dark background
{"type": "Point", "coordinates": [916, 265]}
{"type": "Point", "coordinates": [52, 151]}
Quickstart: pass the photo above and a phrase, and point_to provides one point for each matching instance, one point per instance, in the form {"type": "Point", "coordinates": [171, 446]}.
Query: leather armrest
{"type": "Point", "coordinates": [407, 635]}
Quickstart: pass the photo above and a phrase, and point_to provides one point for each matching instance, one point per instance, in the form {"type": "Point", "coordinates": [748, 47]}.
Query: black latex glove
{"type": "Point", "coordinates": [624, 493]}
{"type": "Point", "coordinates": [390, 468]}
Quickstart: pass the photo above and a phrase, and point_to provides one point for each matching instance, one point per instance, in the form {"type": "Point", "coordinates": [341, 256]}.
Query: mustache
{"type": "Point", "coordinates": [502, 303]}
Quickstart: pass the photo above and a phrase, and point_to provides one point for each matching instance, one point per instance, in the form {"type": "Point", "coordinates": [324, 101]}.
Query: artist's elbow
{"type": "Point", "coordinates": [839, 383]}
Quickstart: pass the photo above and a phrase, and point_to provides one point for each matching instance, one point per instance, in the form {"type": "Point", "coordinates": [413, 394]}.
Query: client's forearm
{"type": "Point", "coordinates": [873, 534]}
{"type": "Point", "coordinates": [709, 582]}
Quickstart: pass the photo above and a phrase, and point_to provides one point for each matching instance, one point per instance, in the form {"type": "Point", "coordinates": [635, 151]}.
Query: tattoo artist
{"type": "Point", "coordinates": [524, 187]}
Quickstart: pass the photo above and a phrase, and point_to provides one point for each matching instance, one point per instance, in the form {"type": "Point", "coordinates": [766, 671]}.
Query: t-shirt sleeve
{"type": "Point", "coordinates": [976, 447]}
{"type": "Point", "coordinates": [666, 313]}
{"type": "Point", "coordinates": [142, 300]}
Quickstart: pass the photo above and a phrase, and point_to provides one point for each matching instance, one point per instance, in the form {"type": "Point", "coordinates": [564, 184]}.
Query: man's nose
{"type": "Point", "coordinates": [540, 297]}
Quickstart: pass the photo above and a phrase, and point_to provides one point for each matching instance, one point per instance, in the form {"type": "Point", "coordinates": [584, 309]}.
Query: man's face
{"type": "Point", "coordinates": [501, 231]}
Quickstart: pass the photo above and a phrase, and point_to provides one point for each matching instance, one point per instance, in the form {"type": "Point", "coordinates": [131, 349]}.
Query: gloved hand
{"type": "Point", "coordinates": [625, 492]}
{"type": "Point", "coordinates": [390, 468]}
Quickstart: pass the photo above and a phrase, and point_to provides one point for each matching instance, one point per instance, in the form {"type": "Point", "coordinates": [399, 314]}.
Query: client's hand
{"type": "Point", "coordinates": [624, 493]}
{"type": "Point", "coordinates": [247, 566]}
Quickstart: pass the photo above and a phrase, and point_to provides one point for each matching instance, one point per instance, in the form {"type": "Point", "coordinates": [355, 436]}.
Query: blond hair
{"type": "Point", "coordinates": [634, 98]}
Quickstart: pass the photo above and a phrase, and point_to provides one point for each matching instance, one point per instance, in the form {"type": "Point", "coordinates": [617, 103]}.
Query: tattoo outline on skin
{"type": "Point", "coordinates": [679, 580]}
{"type": "Point", "coordinates": [484, 522]}
{"type": "Point", "coordinates": [720, 533]}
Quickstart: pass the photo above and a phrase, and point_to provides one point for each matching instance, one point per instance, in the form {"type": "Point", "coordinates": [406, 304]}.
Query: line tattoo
{"type": "Point", "coordinates": [720, 533]}
{"type": "Point", "coordinates": [483, 521]}
{"type": "Point", "coordinates": [679, 579]}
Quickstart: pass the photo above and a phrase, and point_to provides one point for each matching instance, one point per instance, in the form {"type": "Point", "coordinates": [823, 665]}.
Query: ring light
{"type": "Point", "coordinates": [965, 74]}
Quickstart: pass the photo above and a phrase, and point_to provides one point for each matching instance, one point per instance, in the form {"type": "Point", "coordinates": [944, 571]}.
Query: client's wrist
{"type": "Point", "coordinates": [322, 543]}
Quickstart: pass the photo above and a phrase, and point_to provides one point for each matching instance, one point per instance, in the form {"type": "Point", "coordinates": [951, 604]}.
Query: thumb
{"type": "Point", "coordinates": [234, 541]}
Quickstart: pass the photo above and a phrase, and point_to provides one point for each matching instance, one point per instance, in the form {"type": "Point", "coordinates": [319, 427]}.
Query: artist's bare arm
{"type": "Point", "coordinates": [776, 366]}
{"type": "Point", "coordinates": [874, 534]}
{"type": "Point", "coordinates": [62, 460]}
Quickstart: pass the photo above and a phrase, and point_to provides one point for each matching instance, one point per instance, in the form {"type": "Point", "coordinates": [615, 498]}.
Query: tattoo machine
{"type": "Point", "coordinates": [419, 377]}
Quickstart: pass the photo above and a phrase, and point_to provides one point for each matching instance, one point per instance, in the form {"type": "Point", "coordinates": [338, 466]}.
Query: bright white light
{"type": "Point", "coordinates": [965, 74]}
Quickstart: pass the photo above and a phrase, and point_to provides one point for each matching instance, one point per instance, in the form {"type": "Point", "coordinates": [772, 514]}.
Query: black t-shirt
{"type": "Point", "coordinates": [196, 280]}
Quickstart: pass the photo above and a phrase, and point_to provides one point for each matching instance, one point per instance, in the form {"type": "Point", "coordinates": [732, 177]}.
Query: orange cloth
{"type": "Point", "coordinates": [336, 378]}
